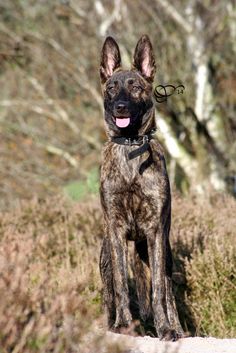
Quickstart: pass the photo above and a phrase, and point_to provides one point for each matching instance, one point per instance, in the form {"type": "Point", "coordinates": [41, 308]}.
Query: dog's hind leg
{"type": "Point", "coordinates": [170, 299]}
{"type": "Point", "coordinates": [142, 279]}
{"type": "Point", "coordinates": [107, 280]}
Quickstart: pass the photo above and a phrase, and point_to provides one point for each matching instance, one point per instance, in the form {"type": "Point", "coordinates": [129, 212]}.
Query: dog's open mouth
{"type": "Point", "coordinates": [122, 121]}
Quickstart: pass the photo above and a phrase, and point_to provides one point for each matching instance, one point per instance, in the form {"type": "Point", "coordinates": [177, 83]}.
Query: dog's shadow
{"type": "Point", "coordinates": [180, 252]}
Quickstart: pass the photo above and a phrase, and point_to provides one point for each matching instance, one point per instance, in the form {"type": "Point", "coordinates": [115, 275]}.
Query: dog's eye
{"type": "Point", "coordinates": [111, 89]}
{"type": "Point", "coordinates": [136, 89]}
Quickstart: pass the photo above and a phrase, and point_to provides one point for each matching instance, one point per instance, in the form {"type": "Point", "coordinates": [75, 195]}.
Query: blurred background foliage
{"type": "Point", "coordinates": [51, 136]}
{"type": "Point", "coordinates": [51, 125]}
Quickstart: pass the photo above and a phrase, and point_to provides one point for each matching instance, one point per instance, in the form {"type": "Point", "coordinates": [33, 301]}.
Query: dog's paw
{"type": "Point", "coordinates": [123, 319]}
{"type": "Point", "coordinates": [166, 333]}
{"type": "Point", "coordinates": [182, 334]}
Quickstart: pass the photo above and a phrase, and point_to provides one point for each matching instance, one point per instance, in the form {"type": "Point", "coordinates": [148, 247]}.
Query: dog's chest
{"type": "Point", "coordinates": [129, 169]}
{"type": "Point", "coordinates": [128, 196]}
{"type": "Point", "coordinates": [117, 168]}
{"type": "Point", "coordinates": [120, 175]}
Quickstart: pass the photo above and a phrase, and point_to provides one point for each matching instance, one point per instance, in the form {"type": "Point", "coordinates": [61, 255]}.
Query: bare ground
{"type": "Point", "coordinates": [185, 345]}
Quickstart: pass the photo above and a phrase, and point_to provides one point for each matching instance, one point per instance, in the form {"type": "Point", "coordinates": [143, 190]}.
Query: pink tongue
{"type": "Point", "coordinates": [122, 122]}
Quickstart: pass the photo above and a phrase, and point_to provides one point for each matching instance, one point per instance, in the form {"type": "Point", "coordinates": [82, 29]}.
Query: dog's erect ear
{"type": "Point", "coordinates": [144, 60]}
{"type": "Point", "coordinates": [110, 59]}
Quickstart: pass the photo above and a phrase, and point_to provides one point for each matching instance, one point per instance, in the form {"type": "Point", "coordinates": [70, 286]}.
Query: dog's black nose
{"type": "Point", "coordinates": [121, 107]}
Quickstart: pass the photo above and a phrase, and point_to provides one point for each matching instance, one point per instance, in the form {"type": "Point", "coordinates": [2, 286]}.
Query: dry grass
{"type": "Point", "coordinates": [50, 290]}
{"type": "Point", "coordinates": [205, 268]}
{"type": "Point", "coordinates": [49, 276]}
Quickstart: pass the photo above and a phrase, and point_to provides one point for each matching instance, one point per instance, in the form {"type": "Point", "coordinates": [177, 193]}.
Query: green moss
{"type": "Point", "coordinates": [76, 190]}
{"type": "Point", "coordinates": [79, 190]}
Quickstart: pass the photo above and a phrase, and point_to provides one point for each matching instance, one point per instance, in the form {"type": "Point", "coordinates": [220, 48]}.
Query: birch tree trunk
{"type": "Point", "coordinates": [195, 168]}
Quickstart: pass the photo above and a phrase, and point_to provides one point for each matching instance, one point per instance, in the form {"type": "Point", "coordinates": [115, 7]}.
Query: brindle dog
{"type": "Point", "coordinates": [135, 195]}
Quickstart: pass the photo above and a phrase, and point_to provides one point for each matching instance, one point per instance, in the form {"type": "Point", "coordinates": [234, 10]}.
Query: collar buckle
{"type": "Point", "coordinates": [145, 138]}
{"type": "Point", "coordinates": [128, 141]}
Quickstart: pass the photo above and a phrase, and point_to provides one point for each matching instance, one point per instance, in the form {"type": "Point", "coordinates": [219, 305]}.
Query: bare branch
{"type": "Point", "coordinates": [9, 33]}
{"type": "Point", "coordinates": [156, 19]}
{"type": "Point", "coordinates": [60, 111]}
{"type": "Point", "coordinates": [108, 20]}
{"type": "Point", "coordinates": [81, 79]}
{"type": "Point", "coordinates": [25, 103]}
{"type": "Point", "coordinates": [49, 148]}
{"type": "Point", "coordinates": [175, 15]}
{"type": "Point", "coordinates": [62, 153]}
{"type": "Point", "coordinates": [75, 7]}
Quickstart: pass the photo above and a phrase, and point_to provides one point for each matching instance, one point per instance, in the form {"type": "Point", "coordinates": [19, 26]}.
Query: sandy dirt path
{"type": "Point", "coordinates": [185, 345]}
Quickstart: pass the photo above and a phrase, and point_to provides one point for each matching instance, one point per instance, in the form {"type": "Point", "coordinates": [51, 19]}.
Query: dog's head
{"type": "Point", "coordinates": [127, 93]}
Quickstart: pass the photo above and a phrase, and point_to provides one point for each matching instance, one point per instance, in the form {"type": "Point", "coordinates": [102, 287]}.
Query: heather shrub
{"type": "Point", "coordinates": [212, 282]}
{"type": "Point", "coordinates": [203, 240]}
{"type": "Point", "coordinates": [50, 288]}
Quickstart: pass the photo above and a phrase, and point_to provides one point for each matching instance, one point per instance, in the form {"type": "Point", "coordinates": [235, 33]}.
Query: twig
{"type": "Point", "coordinates": [156, 19]}
{"type": "Point", "coordinates": [62, 153]}
{"type": "Point", "coordinates": [60, 111]}
{"type": "Point", "coordinates": [9, 33]}
{"type": "Point", "coordinates": [49, 148]}
{"type": "Point", "coordinates": [175, 15]}
{"type": "Point", "coordinates": [81, 79]}
{"type": "Point", "coordinates": [75, 7]}
{"type": "Point", "coordinates": [111, 18]}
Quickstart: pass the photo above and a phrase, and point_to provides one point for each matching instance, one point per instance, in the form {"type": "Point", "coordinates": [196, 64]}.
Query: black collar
{"type": "Point", "coordinates": [142, 141]}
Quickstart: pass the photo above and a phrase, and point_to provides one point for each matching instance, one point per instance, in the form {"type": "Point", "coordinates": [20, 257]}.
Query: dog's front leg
{"type": "Point", "coordinates": [157, 260]}
{"type": "Point", "coordinates": [119, 256]}
{"type": "Point", "coordinates": [170, 299]}
{"type": "Point", "coordinates": [107, 280]}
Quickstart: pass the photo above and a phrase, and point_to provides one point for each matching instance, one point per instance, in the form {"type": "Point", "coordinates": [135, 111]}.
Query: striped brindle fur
{"type": "Point", "coordinates": [135, 197]}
